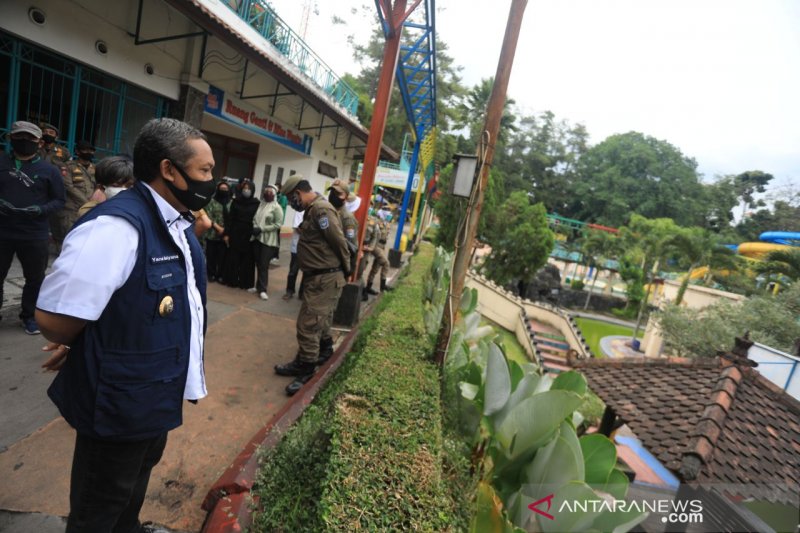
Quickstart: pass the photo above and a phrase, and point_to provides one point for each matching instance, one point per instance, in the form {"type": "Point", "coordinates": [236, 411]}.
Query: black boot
{"type": "Point", "coordinates": [297, 384]}
{"type": "Point", "coordinates": [385, 287]}
{"type": "Point", "coordinates": [370, 290]}
{"type": "Point", "coordinates": [364, 295]}
{"type": "Point", "coordinates": [325, 350]}
{"type": "Point", "coordinates": [295, 367]}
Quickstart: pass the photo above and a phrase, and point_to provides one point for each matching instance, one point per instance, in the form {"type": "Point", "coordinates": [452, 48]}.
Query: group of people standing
{"type": "Point", "coordinates": [43, 191]}
{"type": "Point", "coordinates": [243, 235]}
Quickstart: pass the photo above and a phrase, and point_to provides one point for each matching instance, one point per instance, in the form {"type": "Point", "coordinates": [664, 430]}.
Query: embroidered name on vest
{"type": "Point", "coordinates": [164, 259]}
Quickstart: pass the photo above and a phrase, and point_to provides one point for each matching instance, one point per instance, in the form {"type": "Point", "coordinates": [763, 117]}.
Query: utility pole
{"type": "Point", "coordinates": [494, 112]}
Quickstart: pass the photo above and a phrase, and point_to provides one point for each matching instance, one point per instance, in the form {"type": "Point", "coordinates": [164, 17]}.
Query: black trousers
{"type": "Point", "coordinates": [33, 256]}
{"type": "Point", "coordinates": [215, 258]}
{"type": "Point", "coordinates": [263, 254]}
{"type": "Point", "coordinates": [109, 482]}
{"type": "Point", "coordinates": [291, 279]}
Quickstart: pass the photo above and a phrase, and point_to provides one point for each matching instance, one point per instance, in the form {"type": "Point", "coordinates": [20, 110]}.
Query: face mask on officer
{"type": "Point", "coordinates": [86, 156]}
{"type": "Point", "coordinates": [247, 193]}
{"type": "Point", "coordinates": [333, 198]}
{"type": "Point", "coordinates": [48, 139]}
{"type": "Point", "coordinates": [24, 147]}
{"type": "Point", "coordinates": [197, 193]}
{"type": "Point", "coordinates": [294, 201]}
{"type": "Point", "coordinates": [269, 195]}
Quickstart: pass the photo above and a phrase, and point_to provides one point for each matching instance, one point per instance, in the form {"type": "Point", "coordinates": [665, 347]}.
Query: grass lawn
{"type": "Point", "coordinates": [594, 330]}
{"type": "Point", "coordinates": [511, 345]}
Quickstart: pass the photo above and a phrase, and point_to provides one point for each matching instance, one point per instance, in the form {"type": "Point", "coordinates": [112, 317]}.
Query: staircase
{"type": "Point", "coordinates": [551, 345]}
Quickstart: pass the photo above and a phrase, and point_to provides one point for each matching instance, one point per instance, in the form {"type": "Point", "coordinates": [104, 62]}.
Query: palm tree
{"type": "Point", "coordinates": [784, 262]}
{"type": "Point", "coordinates": [700, 248]}
{"type": "Point", "coordinates": [598, 247]}
{"type": "Point", "coordinates": [472, 111]}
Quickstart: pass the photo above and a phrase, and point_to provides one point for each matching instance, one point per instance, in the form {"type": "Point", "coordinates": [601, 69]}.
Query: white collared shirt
{"type": "Point", "coordinates": [98, 257]}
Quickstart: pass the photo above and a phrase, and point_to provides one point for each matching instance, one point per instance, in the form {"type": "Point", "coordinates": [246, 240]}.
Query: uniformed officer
{"type": "Point", "coordinates": [79, 184]}
{"type": "Point", "coordinates": [124, 308]}
{"type": "Point", "coordinates": [324, 258]}
{"type": "Point", "coordinates": [339, 196]}
{"type": "Point", "coordinates": [375, 238]}
{"type": "Point", "coordinates": [51, 151]}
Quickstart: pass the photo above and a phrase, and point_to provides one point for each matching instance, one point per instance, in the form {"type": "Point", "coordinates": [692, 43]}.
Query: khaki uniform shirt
{"type": "Point", "coordinates": [371, 234]}
{"type": "Point", "coordinates": [57, 155]}
{"type": "Point", "coordinates": [349, 226]}
{"type": "Point", "coordinates": [322, 244]}
{"type": "Point", "coordinates": [78, 185]}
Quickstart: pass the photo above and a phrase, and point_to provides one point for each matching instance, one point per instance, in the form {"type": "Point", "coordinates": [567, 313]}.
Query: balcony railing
{"type": "Point", "coordinates": [260, 16]}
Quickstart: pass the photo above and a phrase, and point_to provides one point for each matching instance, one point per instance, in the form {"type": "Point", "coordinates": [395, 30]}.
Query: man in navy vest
{"type": "Point", "coordinates": [124, 309]}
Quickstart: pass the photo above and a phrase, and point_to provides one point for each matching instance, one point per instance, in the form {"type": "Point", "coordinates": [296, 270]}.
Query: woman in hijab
{"type": "Point", "coordinates": [239, 266]}
{"type": "Point", "coordinates": [266, 237]}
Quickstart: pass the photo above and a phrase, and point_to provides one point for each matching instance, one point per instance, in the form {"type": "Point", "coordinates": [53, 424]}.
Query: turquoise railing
{"type": "Point", "coordinates": [260, 16]}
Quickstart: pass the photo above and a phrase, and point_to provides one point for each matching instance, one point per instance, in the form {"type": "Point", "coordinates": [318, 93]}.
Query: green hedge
{"type": "Point", "coordinates": [369, 452]}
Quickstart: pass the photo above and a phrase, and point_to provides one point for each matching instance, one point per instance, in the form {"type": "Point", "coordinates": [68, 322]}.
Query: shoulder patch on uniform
{"type": "Point", "coordinates": [324, 222]}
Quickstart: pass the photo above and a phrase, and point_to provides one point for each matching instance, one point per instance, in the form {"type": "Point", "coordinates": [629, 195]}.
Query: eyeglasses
{"type": "Point", "coordinates": [22, 177]}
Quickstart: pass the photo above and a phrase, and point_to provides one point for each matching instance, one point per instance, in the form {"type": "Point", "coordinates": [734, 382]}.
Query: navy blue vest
{"type": "Point", "coordinates": [125, 374]}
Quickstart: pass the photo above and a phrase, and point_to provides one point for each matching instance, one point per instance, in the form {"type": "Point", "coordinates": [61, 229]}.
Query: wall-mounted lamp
{"type": "Point", "coordinates": [464, 176]}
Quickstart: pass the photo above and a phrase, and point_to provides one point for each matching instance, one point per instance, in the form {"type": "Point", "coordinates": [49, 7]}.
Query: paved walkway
{"type": "Point", "coordinates": [246, 337]}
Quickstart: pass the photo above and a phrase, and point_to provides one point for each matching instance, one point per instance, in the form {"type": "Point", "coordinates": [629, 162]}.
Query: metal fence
{"type": "Point", "coordinates": [260, 16]}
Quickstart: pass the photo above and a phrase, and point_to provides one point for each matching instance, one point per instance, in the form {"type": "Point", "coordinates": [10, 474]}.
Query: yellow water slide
{"type": "Point", "coordinates": [759, 250]}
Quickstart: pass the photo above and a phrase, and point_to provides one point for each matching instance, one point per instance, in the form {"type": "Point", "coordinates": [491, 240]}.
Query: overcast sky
{"type": "Point", "coordinates": [719, 79]}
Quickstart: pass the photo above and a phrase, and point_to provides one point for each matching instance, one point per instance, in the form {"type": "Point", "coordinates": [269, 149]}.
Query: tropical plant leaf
{"type": "Point", "coordinates": [498, 381]}
{"type": "Point", "coordinates": [468, 390]}
{"type": "Point", "coordinates": [557, 463]}
{"type": "Point", "coordinates": [534, 420]}
{"type": "Point", "coordinates": [618, 521]}
{"type": "Point", "coordinates": [525, 389]}
{"type": "Point", "coordinates": [469, 301]}
{"type": "Point", "coordinates": [617, 484]}
{"type": "Point", "coordinates": [572, 381]}
{"type": "Point", "coordinates": [488, 511]}
{"type": "Point", "coordinates": [599, 457]}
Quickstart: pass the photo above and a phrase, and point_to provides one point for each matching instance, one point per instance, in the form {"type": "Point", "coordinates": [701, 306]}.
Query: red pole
{"type": "Point", "coordinates": [391, 52]}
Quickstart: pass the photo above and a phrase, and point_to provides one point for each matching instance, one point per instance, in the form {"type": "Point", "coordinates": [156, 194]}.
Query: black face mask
{"type": "Point", "coordinates": [198, 193]}
{"type": "Point", "coordinates": [48, 139]}
{"type": "Point", "coordinates": [296, 204]}
{"type": "Point", "coordinates": [86, 156]}
{"type": "Point", "coordinates": [24, 147]}
{"type": "Point", "coordinates": [334, 199]}
{"type": "Point", "coordinates": [223, 196]}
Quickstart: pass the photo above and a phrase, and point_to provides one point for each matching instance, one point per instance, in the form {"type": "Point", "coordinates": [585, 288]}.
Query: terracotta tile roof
{"type": "Point", "coordinates": [707, 421]}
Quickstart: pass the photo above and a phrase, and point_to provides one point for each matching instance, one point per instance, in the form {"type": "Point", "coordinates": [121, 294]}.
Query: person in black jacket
{"type": "Point", "coordinates": [30, 190]}
{"type": "Point", "coordinates": [240, 265]}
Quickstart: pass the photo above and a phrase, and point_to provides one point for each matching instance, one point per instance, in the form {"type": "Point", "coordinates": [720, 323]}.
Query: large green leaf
{"type": "Point", "coordinates": [534, 420]}
{"type": "Point", "coordinates": [572, 381]}
{"type": "Point", "coordinates": [516, 372]}
{"type": "Point", "coordinates": [559, 462]}
{"type": "Point", "coordinates": [524, 389]}
{"type": "Point", "coordinates": [498, 381]}
{"type": "Point", "coordinates": [600, 458]}
{"type": "Point", "coordinates": [488, 511]}
{"type": "Point", "coordinates": [617, 484]}
{"type": "Point", "coordinates": [469, 301]}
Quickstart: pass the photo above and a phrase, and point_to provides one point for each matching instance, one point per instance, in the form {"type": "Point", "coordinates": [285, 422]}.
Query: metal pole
{"type": "Point", "coordinates": [412, 169]}
{"type": "Point", "coordinates": [383, 96]}
{"type": "Point", "coordinates": [494, 112]}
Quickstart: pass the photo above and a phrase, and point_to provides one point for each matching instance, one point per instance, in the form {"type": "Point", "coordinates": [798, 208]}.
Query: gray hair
{"type": "Point", "coordinates": [159, 139]}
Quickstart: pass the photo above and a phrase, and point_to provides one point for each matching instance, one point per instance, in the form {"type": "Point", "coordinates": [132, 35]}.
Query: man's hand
{"type": "Point", "coordinates": [58, 357]}
{"type": "Point", "coordinates": [256, 231]}
{"type": "Point", "coordinates": [227, 240]}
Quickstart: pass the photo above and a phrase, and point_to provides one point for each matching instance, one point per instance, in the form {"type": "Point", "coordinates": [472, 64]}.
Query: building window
{"type": "Point", "coordinates": [328, 170]}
